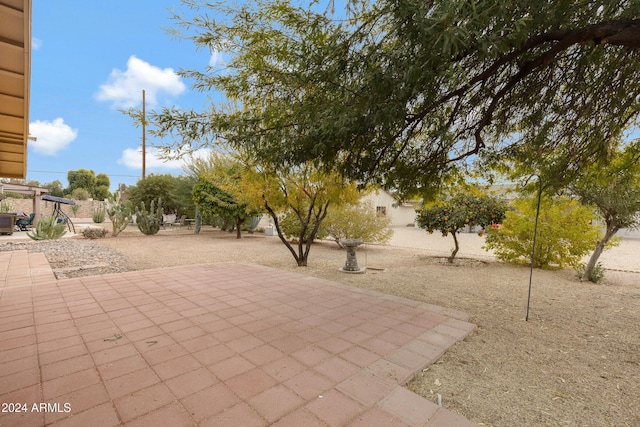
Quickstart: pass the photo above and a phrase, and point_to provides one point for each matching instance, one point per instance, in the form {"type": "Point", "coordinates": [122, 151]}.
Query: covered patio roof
{"type": "Point", "coordinates": [15, 81]}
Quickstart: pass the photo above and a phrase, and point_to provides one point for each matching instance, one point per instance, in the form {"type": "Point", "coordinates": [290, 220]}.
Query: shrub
{"type": "Point", "coordinates": [80, 194]}
{"type": "Point", "coordinates": [149, 222]}
{"type": "Point", "coordinates": [565, 233]}
{"type": "Point", "coordinates": [94, 232]}
{"type": "Point", "coordinates": [597, 273]}
{"type": "Point", "coordinates": [98, 214]}
{"type": "Point", "coordinates": [48, 228]}
{"type": "Point", "coordinates": [292, 228]}
{"type": "Point", "coordinates": [75, 208]}
{"type": "Point", "coordinates": [352, 221]}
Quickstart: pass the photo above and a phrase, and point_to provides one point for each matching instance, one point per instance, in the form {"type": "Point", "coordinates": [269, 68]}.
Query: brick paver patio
{"type": "Point", "coordinates": [214, 345]}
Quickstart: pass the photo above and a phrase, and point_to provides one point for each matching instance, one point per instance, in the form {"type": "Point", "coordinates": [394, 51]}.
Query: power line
{"type": "Point", "coordinates": [64, 173]}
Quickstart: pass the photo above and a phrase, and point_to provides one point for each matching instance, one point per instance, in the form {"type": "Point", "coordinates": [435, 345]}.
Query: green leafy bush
{"type": "Point", "coordinates": [48, 228]}
{"type": "Point", "coordinates": [291, 227]}
{"type": "Point", "coordinates": [149, 222]}
{"type": "Point", "coordinates": [350, 221]}
{"type": "Point", "coordinates": [565, 233]}
{"type": "Point", "coordinates": [597, 272]}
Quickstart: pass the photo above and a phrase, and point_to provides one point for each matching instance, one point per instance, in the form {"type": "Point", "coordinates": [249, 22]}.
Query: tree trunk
{"type": "Point", "coordinates": [455, 250]}
{"type": "Point", "coordinates": [238, 231]}
{"type": "Point", "coordinates": [593, 260]}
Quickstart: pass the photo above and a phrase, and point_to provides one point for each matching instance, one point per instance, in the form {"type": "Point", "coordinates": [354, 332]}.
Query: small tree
{"type": "Point", "coordinates": [565, 233]}
{"type": "Point", "coordinates": [215, 193]}
{"type": "Point", "coordinates": [303, 194]}
{"type": "Point", "coordinates": [357, 221]}
{"type": "Point", "coordinates": [463, 210]}
{"type": "Point", "coordinates": [613, 189]}
{"type": "Point", "coordinates": [120, 213]}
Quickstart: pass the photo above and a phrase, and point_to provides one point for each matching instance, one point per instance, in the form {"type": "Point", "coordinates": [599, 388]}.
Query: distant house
{"type": "Point", "coordinates": [401, 213]}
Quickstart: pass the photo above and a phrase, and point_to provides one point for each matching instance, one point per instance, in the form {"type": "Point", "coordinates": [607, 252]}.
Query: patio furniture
{"type": "Point", "coordinates": [24, 223]}
{"type": "Point", "coordinates": [57, 211]}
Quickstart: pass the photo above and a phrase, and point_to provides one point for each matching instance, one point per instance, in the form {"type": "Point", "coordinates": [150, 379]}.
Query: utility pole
{"type": "Point", "coordinates": [144, 136]}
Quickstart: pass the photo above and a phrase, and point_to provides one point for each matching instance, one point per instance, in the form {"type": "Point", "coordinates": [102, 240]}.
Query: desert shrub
{"type": "Point", "coordinates": [48, 228]}
{"type": "Point", "coordinates": [597, 273]}
{"type": "Point", "coordinates": [350, 221]}
{"type": "Point", "coordinates": [75, 208]}
{"type": "Point", "coordinates": [98, 214]}
{"type": "Point", "coordinates": [149, 222]}
{"type": "Point", "coordinates": [292, 228]}
{"type": "Point", "coordinates": [80, 194]}
{"type": "Point", "coordinates": [565, 233]}
{"type": "Point", "coordinates": [94, 232]}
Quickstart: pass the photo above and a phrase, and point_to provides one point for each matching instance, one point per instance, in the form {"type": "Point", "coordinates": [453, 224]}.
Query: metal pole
{"type": "Point", "coordinates": [533, 251]}
{"type": "Point", "coordinates": [144, 136]}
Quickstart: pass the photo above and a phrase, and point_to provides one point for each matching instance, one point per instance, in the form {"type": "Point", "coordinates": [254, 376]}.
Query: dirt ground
{"type": "Point", "coordinates": [576, 362]}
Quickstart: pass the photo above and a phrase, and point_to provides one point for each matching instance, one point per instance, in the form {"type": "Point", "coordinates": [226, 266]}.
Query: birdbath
{"type": "Point", "coordinates": [351, 266]}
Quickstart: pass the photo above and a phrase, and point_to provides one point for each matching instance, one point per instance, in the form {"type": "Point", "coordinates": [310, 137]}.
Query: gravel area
{"type": "Point", "coordinates": [74, 257]}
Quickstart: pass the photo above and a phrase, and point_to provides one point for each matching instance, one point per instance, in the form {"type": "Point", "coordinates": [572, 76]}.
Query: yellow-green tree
{"type": "Point", "coordinates": [304, 193]}
{"type": "Point", "coordinates": [217, 192]}
{"type": "Point", "coordinates": [565, 233]}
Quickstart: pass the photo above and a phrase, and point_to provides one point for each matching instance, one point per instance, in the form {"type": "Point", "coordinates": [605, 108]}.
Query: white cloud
{"type": "Point", "coordinates": [132, 159]}
{"type": "Point", "coordinates": [36, 43]}
{"type": "Point", "coordinates": [51, 137]}
{"type": "Point", "coordinates": [124, 88]}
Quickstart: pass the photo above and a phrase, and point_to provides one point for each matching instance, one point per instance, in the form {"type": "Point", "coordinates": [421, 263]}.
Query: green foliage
{"type": "Point", "coordinates": [80, 194]}
{"type": "Point", "coordinates": [75, 208]}
{"type": "Point", "coordinates": [357, 221]}
{"type": "Point", "coordinates": [48, 228]}
{"type": "Point", "coordinates": [463, 210]}
{"type": "Point", "coordinates": [217, 193]}
{"type": "Point", "coordinates": [565, 233]}
{"type": "Point", "coordinates": [94, 232]}
{"type": "Point", "coordinates": [55, 188]}
{"type": "Point", "coordinates": [120, 213]}
{"type": "Point", "coordinates": [612, 188]}
{"type": "Point", "coordinates": [96, 187]}
{"type": "Point", "coordinates": [301, 195]}
{"type": "Point", "coordinates": [398, 91]}
{"type": "Point", "coordinates": [596, 274]}
{"type": "Point", "coordinates": [81, 178]}
{"type": "Point", "coordinates": [149, 222]}
{"type": "Point", "coordinates": [154, 186]}
{"type": "Point", "coordinates": [98, 214]}
{"type": "Point", "coordinates": [292, 228]}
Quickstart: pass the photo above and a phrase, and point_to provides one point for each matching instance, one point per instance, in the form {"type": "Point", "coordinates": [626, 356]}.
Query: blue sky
{"type": "Point", "coordinates": [90, 59]}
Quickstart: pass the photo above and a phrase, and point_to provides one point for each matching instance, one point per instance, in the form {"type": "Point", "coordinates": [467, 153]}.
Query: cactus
{"type": "Point", "coordinates": [48, 228]}
{"type": "Point", "coordinates": [98, 214]}
{"type": "Point", "coordinates": [149, 222]}
{"type": "Point", "coordinates": [119, 212]}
